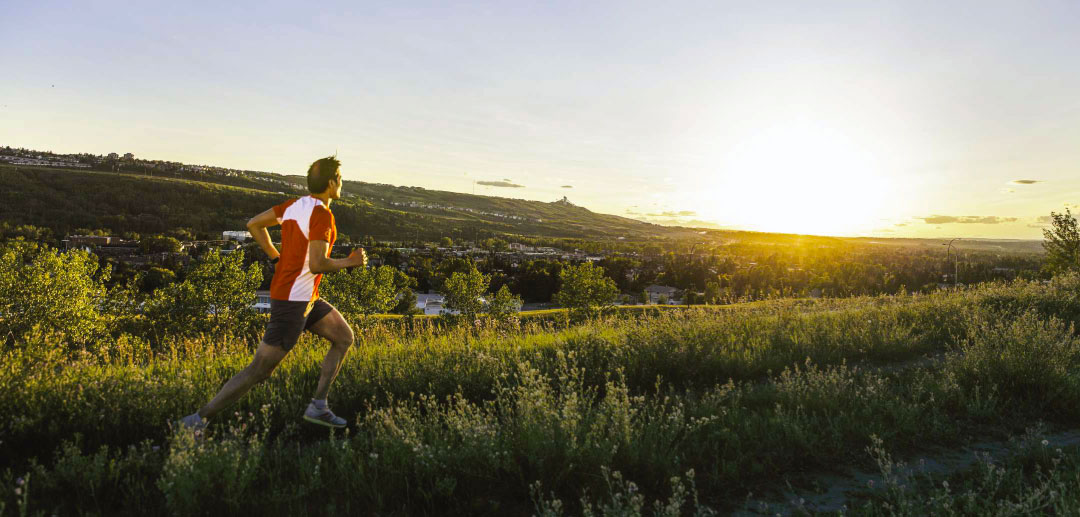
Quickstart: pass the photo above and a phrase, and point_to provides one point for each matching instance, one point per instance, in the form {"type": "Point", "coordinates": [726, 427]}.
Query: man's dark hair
{"type": "Point", "coordinates": [321, 172]}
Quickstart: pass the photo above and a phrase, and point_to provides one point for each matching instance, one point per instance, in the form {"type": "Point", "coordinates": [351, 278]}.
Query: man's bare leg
{"type": "Point", "coordinates": [266, 359]}
{"type": "Point", "coordinates": [334, 328]}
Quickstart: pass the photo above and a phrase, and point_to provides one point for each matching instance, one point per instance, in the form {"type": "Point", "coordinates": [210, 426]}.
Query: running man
{"type": "Point", "coordinates": [307, 236]}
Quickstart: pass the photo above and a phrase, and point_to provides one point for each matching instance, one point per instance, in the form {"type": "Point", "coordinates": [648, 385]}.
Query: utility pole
{"type": "Point", "coordinates": [956, 269]}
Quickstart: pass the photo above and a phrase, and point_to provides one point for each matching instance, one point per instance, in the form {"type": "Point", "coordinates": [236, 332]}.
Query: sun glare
{"type": "Point", "coordinates": [799, 178]}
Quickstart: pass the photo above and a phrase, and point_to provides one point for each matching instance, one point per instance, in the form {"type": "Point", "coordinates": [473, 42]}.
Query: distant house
{"type": "Point", "coordinates": [431, 304]}
{"type": "Point", "coordinates": [239, 236]}
{"type": "Point", "coordinates": [262, 302]}
{"type": "Point", "coordinates": [88, 241]}
{"type": "Point", "coordinates": [656, 291]}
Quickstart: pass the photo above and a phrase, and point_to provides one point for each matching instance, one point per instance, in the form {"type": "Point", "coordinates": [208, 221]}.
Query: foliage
{"type": "Point", "coordinates": [406, 303]}
{"type": "Point", "coordinates": [1062, 243]}
{"type": "Point", "coordinates": [585, 290]}
{"type": "Point", "coordinates": [504, 306]}
{"type": "Point", "coordinates": [742, 396]}
{"type": "Point", "coordinates": [156, 278]}
{"type": "Point", "coordinates": [360, 292]}
{"type": "Point", "coordinates": [159, 244]}
{"type": "Point", "coordinates": [52, 292]}
{"type": "Point", "coordinates": [215, 298]}
{"type": "Point", "coordinates": [464, 291]}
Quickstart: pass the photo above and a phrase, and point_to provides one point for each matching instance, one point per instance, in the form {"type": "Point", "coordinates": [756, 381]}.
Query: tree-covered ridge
{"type": "Point", "coordinates": [66, 200]}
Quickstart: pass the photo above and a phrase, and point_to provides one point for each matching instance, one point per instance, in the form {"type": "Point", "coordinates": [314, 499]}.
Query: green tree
{"type": "Point", "coordinates": [159, 244]}
{"type": "Point", "coordinates": [463, 292]}
{"type": "Point", "coordinates": [156, 278]}
{"type": "Point", "coordinates": [446, 242]}
{"type": "Point", "coordinates": [644, 297]}
{"type": "Point", "coordinates": [663, 300]}
{"type": "Point", "coordinates": [54, 291]}
{"type": "Point", "coordinates": [1062, 243]}
{"type": "Point", "coordinates": [712, 293]}
{"type": "Point", "coordinates": [361, 292]}
{"type": "Point", "coordinates": [406, 303]}
{"type": "Point", "coordinates": [504, 306]}
{"type": "Point", "coordinates": [215, 298]}
{"type": "Point", "coordinates": [585, 289]}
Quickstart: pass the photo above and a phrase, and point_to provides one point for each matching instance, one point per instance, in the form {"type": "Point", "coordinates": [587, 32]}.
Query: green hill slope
{"type": "Point", "coordinates": [65, 200]}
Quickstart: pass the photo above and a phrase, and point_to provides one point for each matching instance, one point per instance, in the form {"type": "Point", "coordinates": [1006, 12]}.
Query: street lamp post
{"type": "Point", "coordinates": [956, 270]}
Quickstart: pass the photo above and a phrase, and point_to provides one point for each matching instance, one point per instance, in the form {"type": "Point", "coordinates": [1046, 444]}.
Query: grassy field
{"type": "Point", "coordinates": [670, 413]}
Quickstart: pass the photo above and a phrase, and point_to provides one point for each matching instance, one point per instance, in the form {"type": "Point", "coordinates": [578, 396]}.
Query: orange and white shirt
{"type": "Point", "coordinates": [302, 220]}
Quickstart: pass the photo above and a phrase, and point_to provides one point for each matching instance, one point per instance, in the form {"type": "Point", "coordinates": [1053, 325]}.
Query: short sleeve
{"type": "Point", "coordinates": [322, 225]}
{"type": "Point", "coordinates": [279, 210]}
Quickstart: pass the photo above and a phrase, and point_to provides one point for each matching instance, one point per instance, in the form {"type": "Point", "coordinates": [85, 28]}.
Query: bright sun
{"type": "Point", "coordinates": [799, 178]}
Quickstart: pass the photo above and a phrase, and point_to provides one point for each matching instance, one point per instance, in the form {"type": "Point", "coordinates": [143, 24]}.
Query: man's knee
{"type": "Point", "coordinates": [261, 371]}
{"type": "Point", "coordinates": [345, 339]}
{"type": "Point", "coordinates": [261, 374]}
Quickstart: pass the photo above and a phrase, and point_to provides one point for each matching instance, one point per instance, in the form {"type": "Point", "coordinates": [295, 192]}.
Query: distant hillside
{"type": "Point", "coordinates": [65, 200]}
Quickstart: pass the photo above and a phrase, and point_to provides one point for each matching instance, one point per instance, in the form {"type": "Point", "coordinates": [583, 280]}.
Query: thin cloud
{"type": "Point", "coordinates": [672, 213]}
{"type": "Point", "coordinates": [567, 186]}
{"type": "Point", "coordinates": [1025, 182]}
{"type": "Point", "coordinates": [1045, 219]}
{"type": "Point", "coordinates": [967, 219]}
{"type": "Point", "coordinates": [505, 184]}
{"type": "Point", "coordinates": [508, 180]}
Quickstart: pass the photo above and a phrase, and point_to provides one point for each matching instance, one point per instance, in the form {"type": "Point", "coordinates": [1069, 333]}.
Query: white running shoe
{"type": "Point", "coordinates": [323, 417]}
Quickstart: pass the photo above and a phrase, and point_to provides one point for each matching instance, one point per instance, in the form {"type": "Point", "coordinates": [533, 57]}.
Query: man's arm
{"type": "Point", "coordinates": [257, 227]}
{"type": "Point", "coordinates": [318, 262]}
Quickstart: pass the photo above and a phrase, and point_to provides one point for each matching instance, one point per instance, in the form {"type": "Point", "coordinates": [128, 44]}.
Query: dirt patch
{"type": "Point", "coordinates": [839, 489]}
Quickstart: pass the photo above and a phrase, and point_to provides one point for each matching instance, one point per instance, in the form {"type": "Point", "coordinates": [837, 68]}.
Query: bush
{"type": "Point", "coordinates": [361, 292]}
{"type": "Point", "coordinates": [585, 290]}
{"type": "Point", "coordinates": [215, 298]}
{"type": "Point", "coordinates": [51, 291]}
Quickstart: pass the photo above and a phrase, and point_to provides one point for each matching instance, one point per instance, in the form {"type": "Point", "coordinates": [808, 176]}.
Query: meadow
{"type": "Point", "coordinates": [689, 412]}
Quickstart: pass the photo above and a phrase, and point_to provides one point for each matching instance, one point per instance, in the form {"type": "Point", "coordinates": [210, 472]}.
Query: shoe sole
{"type": "Point", "coordinates": [322, 423]}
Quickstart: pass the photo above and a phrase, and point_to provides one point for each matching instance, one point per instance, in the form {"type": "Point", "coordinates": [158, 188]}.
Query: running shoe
{"type": "Point", "coordinates": [193, 422]}
{"type": "Point", "coordinates": [323, 416]}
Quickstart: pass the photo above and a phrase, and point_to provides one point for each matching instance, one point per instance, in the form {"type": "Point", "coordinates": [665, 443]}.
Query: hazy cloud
{"type": "Point", "coordinates": [1041, 222]}
{"type": "Point", "coordinates": [508, 180]}
{"type": "Point", "coordinates": [506, 184]}
{"type": "Point", "coordinates": [1025, 182]}
{"type": "Point", "coordinates": [672, 213]}
{"type": "Point", "coordinates": [967, 219]}
{"type": "Point", "coordinates": [567, 186]}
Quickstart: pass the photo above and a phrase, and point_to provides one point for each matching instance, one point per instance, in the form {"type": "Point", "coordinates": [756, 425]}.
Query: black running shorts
{"type": "Point", "coordinates": [290, 319]}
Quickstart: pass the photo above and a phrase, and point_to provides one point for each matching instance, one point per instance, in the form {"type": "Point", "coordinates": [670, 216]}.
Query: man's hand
{"type": "Point", "coordinates": [358, 257]}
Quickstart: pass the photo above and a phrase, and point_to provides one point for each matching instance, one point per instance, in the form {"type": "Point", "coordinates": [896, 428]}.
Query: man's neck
{"type": "Point", "coordinates": [324, 197]}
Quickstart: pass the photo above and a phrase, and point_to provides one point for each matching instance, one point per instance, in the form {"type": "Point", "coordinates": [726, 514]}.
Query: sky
{"type": "Point", "coordinates": [907, 119]}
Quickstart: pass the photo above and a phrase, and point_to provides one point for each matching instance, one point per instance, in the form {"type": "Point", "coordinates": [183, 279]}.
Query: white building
{"type": "Point", "coordinates": [262, 302]}
{"type": "Point", "coordinates": [240, 236]}
{"type": "Point", "coordinates": [431, 304]}
{"type": "Point", "coordinates": [656, 291]}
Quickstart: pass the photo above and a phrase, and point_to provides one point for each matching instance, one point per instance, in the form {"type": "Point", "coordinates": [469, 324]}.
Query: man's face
{"type": "Point", "coordinates": [335, 187]}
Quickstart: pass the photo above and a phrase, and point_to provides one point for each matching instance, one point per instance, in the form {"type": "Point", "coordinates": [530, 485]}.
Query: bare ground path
{"type": "Point", "coordinates": [836, 491]}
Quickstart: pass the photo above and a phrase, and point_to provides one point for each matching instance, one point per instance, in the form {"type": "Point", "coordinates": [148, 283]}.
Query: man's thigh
{"type": "Point", "coordinates": [268, 356]}
{"type": "Point", "coordinates": [333, 327]}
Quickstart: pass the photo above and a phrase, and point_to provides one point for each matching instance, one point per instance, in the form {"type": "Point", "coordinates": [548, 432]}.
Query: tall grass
{"type": "Point", "coordinates": [742, 398]}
